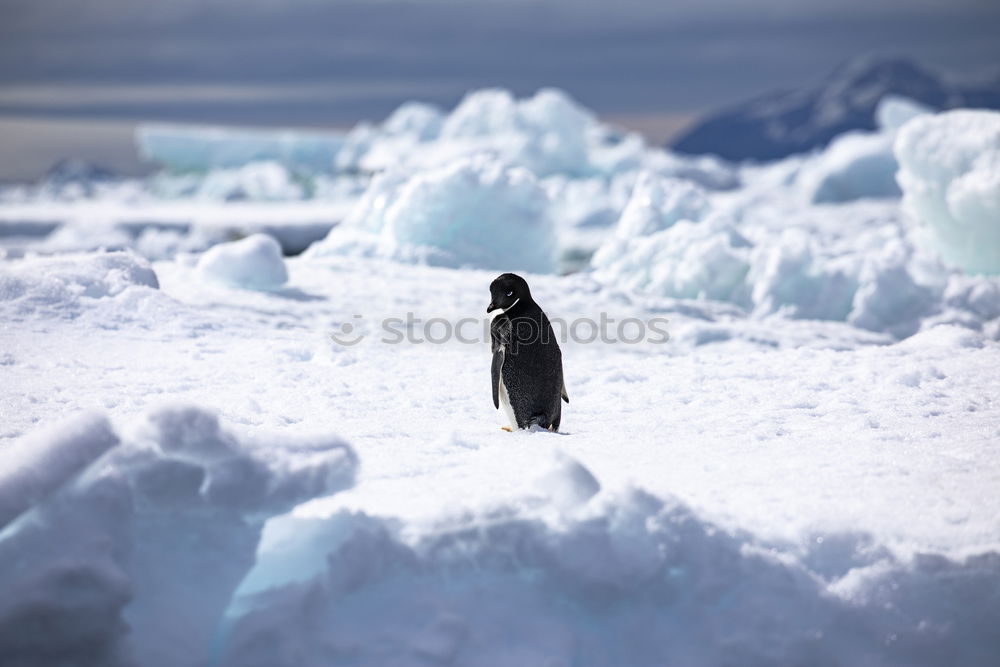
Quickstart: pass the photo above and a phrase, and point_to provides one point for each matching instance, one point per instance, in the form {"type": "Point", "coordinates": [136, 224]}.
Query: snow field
{"type": "Point", "coordinates": [804, 472]}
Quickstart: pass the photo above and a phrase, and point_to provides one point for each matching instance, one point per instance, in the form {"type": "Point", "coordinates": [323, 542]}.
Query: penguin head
{"type": "Point", "coordinates": [507, 291]}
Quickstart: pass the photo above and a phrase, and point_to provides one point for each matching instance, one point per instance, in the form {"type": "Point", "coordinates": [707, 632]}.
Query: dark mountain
{"type": "Point", "coordinates": [782, 123]}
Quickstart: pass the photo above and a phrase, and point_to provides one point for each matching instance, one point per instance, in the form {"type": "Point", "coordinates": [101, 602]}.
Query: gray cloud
{"type": "Point", "coordinates": [312, 61]}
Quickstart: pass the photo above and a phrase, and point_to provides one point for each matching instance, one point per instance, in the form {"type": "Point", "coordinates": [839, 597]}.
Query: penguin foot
{"type": "Point", "coordinates": [506, 428]}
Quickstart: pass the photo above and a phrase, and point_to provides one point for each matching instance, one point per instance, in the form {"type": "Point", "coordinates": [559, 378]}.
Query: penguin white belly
{"type": "Point", "coordinates": [505, 403]}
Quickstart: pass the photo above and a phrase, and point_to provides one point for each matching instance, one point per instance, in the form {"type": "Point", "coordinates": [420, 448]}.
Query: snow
{"type": "Point", "coordinates": [415, 118]}
{"type": "Point", "coordinates": [475, 212]}
{"type": "Point", "coordinates": [62, 286]}
{"type": "Point", "coordinates": [546, 133]}
{"type": "Point", "coordinates": [626, 579]}
{"type": "Point", "coordinates": [141, 538]}
{"type": "Point", "coordinates": [950, 176]}
{"type": "Point", "coordinates": [251, 263]}
{"type": "Point", "coordinates": [894, 111]}
{"type": "Point", "coordinates": [158, 229]}
{"type": "Point", "coordinates": [858, 165]}
{"type": "Point", "coordinates": [193, 147]}
{"type": "Point", "coordinates": [767, 251]}
{"type": "Point", "coordinates": [781, 446]}
{"type": "Point", "coordinates": [853, 166]}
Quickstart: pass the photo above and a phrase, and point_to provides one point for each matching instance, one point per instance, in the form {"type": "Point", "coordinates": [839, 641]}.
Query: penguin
{"type": "Point", "coordinates": [527, 375]}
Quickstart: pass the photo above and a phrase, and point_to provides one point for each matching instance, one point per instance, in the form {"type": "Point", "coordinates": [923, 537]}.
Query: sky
{"type": "Point", "coordinates": [333, 62]}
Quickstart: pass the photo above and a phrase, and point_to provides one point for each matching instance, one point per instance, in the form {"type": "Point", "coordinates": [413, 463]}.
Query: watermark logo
{"type": "Point", "coordinates": [413, 330]}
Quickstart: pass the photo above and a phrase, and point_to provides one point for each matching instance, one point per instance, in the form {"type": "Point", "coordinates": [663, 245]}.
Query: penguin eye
{"type": "Point", "coordinates": [510, 293]}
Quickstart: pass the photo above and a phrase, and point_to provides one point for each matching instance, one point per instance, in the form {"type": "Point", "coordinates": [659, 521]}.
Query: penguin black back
{"type": "Point", "coordinates": [527, 378]}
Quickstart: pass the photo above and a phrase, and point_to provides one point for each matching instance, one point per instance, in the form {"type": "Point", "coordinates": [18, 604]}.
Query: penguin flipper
{"type": "Point", "coordinates": [563, 393]}
{"type": "Point", "coordinates": [496, 368]}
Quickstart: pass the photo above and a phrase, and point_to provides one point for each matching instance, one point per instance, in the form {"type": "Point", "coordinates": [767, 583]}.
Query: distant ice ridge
{"type": "Point", "coordinates": [548, 133]}
{"type": "Point", "coordinates": [124, 546]}
{"type": "Point", "coordinates": [474, 212]}
{"type": "Point", "coordinates": [186, 148]}
{"type": "Point", "coordinates": [950, 175]}
{"type": "Point", "coordinates": [800, 262]}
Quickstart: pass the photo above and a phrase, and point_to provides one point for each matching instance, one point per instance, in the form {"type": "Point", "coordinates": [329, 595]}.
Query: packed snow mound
{"type": "Point", "coordinates": [251, 263]}
{"type": "Point", "coordinates": [858, 165]}
{"type": "Point", "coordinates": [790, 277]}
{"type": "Point", "coordinates": [198, 148]}
{"type": "Point", "coordinates": [658, 245]}
{"type": "Point", "coordinates": [854, 166]}
{"type": "Point", "coordinates": [950, 177]}
{"type": "Point", "coordinates": [689, 260]}
{"type": "Point", "coordinates": [476, 212]}
{"type": "Point", "coordinates": [121, 547]}
{"type": "Point", "coordinates": [62, 285]}
{"type": "Point", "coordinates": [614, 577]}
{"type": "Point", "coordinates": [888, 297]}
{"type": "Point", "coordinates": [875, 279]}
{"type": "Point", "coordinates": [656, 204]}
{"type": "Point", "coordinates": [546, 133]}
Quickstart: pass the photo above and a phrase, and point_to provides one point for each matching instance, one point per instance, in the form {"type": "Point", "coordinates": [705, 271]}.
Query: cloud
{"type": "Point", "coordinates": [310, 60]}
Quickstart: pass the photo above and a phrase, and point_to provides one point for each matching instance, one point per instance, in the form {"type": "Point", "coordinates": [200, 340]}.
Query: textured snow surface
{"type": "Point", "coordinates": [770, 491]}
{"type": "Point", "coordinates": [950, 175]}
{"type": "Point", "coordinates": [62, 286]}
{"type": "Point", "coordinates": [783, 445]}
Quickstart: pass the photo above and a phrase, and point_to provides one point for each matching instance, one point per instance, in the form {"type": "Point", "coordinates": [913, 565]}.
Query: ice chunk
{"type": "Point", "coordinates": [690, 260]}
{"type": "Point", "coordinates": [950, 176]}
{"type": "Point", "coordinates": [192, 147]}
{"type": "Point", "coordinates": [625, 580]}
{"type": "Point", "coordinates": [41, 463]}
{"type": "Point", "coordinates": [546, 133]}
{"type": "Point", "coordinates": [475, 212]}
{"type": "Point", "coordinates": [251, 263]}
{"type": "Point", "coordinates": [858, 165]}
{"type": "Point", "coordinates": [787, 276]}
{"type": "Point", "coordinates": [255, 181]}
{"type": "Point", "coordinates": [888, 298]}
{"type": "Point", "coordinates": [658, 248]}
{"type": "Point", "coordinates": [64, 284]}
{"type": "Point", "coordinates": [854, 166]}
{"type": "Point", "coordinates": [894, 111]}
{"type": "Point", "coordinates": [130, 551]}
{"type": "Point", "coordinates": [656, 204]}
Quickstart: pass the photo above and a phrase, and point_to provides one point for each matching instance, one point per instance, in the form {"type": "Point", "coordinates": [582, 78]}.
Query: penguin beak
{"type": "Point", "coordinates": [490, 308]}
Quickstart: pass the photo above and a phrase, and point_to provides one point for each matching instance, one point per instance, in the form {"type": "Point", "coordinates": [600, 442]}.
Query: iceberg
{"type": "Point", "coordinates": [476, 212]}
{"type": "Point", "coordinates": [950, 177]}
{"type": "Point", "coordinates": [202, 148]}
